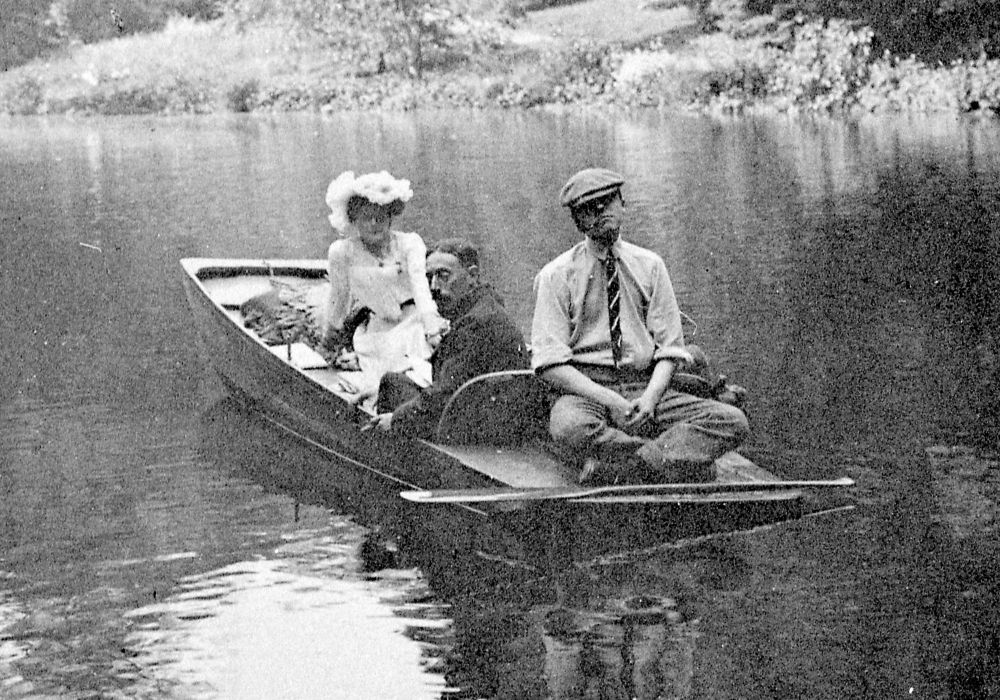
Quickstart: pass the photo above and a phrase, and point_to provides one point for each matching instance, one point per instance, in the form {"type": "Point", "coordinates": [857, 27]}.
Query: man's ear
{"type": "Point", "coordinates": [473, 272]}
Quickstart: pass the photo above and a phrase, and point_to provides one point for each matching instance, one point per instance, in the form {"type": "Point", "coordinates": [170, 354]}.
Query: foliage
{"type": "Point", "coordinates": [978, 83]}
{"type": "Point", "coordinates": [822, 65]}
{"type": "Point", "coordinates": [823, 68]}
{"type": "Point", "coordinates": [408, 34]}
{"type": "Point", "coordinates": [582, 72]}
{"type": "Point", "coordinates": [25, 96]}
{"type": "Point", "coordinates": [904, 84]}
{"type": "Point", "coordinates": [242, 97]}
{"type": "Point", "coordinates": [663, 87]}
{"type": "Point", "coordinates": [938, 31]}
{"type": "Point", "coordinates": [173, 95]}
{"type": "Point", "coordinates": [532, 5]}
{"type": "Point", "coordinates": [187, 67]}
{"type": "Point", "coordinates": [828, 66]}
{"type": "Point", "coordinates": [732, 90]}
{"type": "Point", "coordinates": [303, 54]}
{"type": "Point", "coordinates": [911, 85]}
{"type": "Point", "coordinates": [579, 73]}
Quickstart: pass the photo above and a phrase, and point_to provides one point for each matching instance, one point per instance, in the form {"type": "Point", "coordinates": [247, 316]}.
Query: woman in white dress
{"type": "Point", "coordinates": [375, 267]}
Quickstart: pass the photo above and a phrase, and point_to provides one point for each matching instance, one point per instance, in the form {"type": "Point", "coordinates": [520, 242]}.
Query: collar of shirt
{"type": "Point", "coordinates": [600, 252]}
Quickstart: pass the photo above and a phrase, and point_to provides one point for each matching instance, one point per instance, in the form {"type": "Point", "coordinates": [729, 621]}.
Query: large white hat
{"type": "Point", "coordinates": [378, 188]}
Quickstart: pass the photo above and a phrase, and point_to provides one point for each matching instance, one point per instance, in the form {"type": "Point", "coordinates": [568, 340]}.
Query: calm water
{"type": "Point", "coordinates": [157, 542]}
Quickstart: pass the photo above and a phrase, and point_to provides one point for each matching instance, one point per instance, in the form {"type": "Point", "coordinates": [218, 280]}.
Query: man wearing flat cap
{"type": "Point", "coordinates": [606, 336]}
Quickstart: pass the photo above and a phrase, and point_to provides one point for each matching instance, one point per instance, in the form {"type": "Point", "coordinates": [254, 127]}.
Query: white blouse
{"type": "Point", "coordinates": [358, 278]}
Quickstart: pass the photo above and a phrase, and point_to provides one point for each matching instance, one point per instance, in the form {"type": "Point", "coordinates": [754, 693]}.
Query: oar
{"type": "Point", "coordinates": [545, 493]}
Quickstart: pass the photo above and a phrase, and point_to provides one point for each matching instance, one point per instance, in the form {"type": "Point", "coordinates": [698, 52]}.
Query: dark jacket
{"type": "Point", "coordinates": [482, 339]}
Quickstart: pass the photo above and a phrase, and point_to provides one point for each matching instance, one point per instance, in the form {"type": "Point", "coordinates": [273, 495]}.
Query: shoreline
{"type": "Point", "coordinates": [194, 67]}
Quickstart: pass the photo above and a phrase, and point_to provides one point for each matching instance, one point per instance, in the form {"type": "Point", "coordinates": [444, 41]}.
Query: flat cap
{"type": "Point", "coordinates": [588, 184]}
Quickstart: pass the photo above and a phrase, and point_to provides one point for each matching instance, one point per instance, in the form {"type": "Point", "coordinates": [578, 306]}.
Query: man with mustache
{"type": "Point", "coordinates": [482, 339]}
{"type": "Point", "coordinates": [606, 336]}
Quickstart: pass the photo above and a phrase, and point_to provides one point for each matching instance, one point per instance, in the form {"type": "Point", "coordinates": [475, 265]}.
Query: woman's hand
{"type": "Point", "coordinates": [437, 332]}
{"type": "Point", "coordinates": [347, 361]}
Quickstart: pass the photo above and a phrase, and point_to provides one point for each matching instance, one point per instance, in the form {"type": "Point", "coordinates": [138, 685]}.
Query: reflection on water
{"type": "Point", "coordinates": [506, 629]}
{"type": "Point", "coordinates": [846, 273]}
{"type": "Point", "coordinates": [301, 625]}
{"type": "Point", "coordinates": [645, 650]}
{"type": "Point", "coordinates": [966, 487]}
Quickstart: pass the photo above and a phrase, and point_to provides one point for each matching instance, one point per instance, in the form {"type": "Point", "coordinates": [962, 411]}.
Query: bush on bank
{"type": "Point", "coordinates": [823, 66]}
{"type": "Point", "coordinates": [829, 66]}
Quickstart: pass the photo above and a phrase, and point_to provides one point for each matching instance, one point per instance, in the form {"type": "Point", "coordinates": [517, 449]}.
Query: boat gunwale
{"type": "Point", "coordinates": [200, 270]}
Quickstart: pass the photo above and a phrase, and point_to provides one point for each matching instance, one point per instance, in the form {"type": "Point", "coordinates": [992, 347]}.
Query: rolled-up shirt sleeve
{"type": "Point", "coordinates": [663, 320]}
{"type": "Point", "coordinates": [551, 323]}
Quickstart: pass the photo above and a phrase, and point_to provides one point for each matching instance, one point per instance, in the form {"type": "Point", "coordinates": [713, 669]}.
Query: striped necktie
{"type": "Point", "coordinates": [614, 310]}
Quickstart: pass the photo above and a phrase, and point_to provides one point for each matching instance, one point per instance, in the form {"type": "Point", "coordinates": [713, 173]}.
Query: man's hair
{"type": "Point", "coordinates": [460, 248]}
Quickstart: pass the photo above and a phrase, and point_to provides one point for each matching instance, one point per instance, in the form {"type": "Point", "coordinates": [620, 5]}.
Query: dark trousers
{"type": "Point", "coordinates": [395, 389]}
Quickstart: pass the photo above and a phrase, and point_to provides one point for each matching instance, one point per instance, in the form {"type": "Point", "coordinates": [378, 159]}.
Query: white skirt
{"type": "Point", "coordinates": [383, 346]}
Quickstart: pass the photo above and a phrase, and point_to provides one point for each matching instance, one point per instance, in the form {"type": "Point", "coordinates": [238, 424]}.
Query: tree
{"type": "Point", "coordinates": [934, 30]}
{"type": "Point", "coordinates": [383, 31]}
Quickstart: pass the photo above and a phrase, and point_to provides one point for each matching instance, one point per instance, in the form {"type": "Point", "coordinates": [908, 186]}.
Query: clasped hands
{"type": "Point", "coordinates": [629, 414]}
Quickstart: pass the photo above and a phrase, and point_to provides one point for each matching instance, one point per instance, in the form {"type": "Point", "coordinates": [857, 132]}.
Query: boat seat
{"type": "Point", "coordinates": [500, 408]}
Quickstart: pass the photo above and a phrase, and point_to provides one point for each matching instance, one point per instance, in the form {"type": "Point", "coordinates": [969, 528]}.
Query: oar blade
{"type": "Point", "coordinates": [635, 491]}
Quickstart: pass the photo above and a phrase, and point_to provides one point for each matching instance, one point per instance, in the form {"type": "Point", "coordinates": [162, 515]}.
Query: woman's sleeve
{"type": "Point", "coordinates": [415, 261]}
{"type": "Point", "coordinates": [340, 293]}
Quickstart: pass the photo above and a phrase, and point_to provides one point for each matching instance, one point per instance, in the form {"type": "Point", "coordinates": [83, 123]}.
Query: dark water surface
{"type": "Point", "coordinates": [158, 542]}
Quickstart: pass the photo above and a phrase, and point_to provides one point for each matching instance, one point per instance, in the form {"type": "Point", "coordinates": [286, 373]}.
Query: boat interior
{"type": "Point", "coordinates": [495, 422]}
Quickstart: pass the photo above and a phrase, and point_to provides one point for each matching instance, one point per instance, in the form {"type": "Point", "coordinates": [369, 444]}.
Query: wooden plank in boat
{"type": "Point", "coordinates": [525, 466]}
{"type": "Point", "coordinates": [299, 355]}
{"type": "Point", "coordinates": [733, 466]}
{"type": "Point", "coordinates": [232, 291]}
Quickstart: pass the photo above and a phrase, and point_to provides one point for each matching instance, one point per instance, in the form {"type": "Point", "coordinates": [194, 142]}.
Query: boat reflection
{"type": "Point", "coordinates": [524, 628]}
{"type": "Point", "coordinates": [644, 650]}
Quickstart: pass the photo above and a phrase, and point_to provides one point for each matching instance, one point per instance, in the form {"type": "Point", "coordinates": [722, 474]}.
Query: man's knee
{"type": "Point", "coordinates": [570, 424]}
{"type": "Point", "coordinates": [731, 420]}
{"type": "Point", "coordinates": [395, 389]}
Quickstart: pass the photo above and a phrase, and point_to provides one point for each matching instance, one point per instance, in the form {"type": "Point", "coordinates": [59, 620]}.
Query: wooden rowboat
{"type": "Point", "coordinates": [489, 443]}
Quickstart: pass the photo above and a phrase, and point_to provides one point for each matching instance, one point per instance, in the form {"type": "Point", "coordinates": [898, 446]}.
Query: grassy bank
{"type": "Point", "coordinates": [650, 55]}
